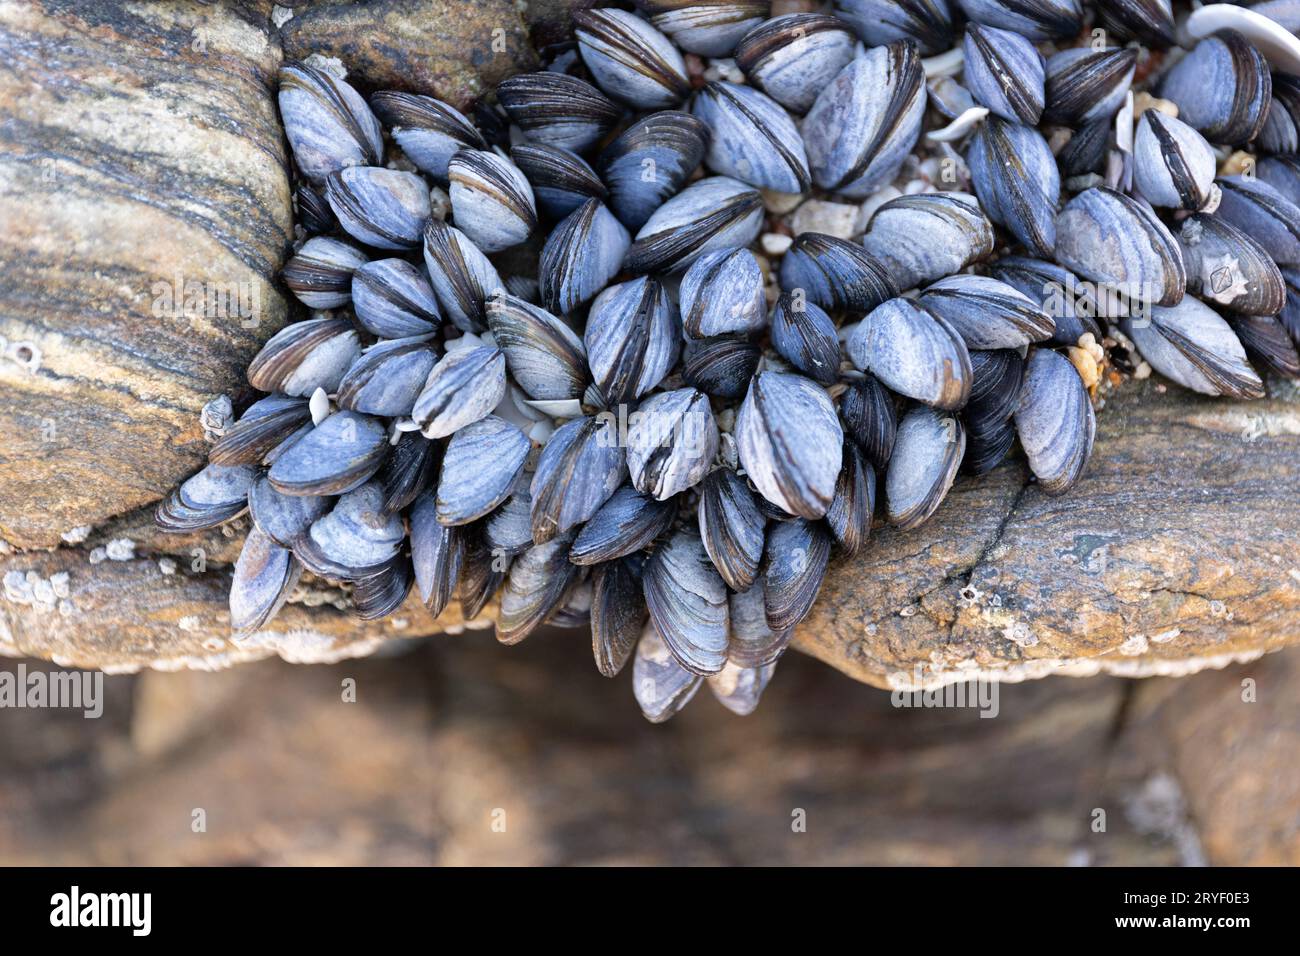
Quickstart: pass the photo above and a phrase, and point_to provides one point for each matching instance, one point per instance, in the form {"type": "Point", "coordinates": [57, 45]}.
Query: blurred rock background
{"type": "Point", "coordinates": [455, 736]}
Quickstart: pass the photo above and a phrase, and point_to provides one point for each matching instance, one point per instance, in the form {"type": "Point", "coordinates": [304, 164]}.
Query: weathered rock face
{"type": "Point", "coordinates": [146, 206]}
{"type": "Point", "coordinates": [456, 50]}
{"type": "Point", "coordinates": [1176, 551]}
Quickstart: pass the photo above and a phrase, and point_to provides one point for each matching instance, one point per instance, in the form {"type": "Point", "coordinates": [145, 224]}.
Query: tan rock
{"type": "Point", "coordinates": [146, 207]}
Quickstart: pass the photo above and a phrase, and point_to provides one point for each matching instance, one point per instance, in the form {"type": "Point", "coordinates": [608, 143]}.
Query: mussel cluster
{"type": "Point", "coordinates": [544, 358]}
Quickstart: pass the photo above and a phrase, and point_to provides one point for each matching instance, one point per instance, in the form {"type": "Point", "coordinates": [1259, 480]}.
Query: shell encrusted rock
{"type": "Point", "coordinates": [545, 359]}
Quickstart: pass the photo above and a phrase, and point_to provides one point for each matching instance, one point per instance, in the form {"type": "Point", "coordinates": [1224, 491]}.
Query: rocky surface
{"type": "Point", "coordinates": [146, 207]}
{"type": "Point", "coordinates": [151, 159]}
{"type": "Point", "coordinates": [456, 50]}
{"type": "Point", "coordinates": [455, 754]}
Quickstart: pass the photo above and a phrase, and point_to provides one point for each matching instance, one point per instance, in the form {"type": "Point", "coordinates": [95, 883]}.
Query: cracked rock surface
{"type": "Point", "coordinates": [150, 158]}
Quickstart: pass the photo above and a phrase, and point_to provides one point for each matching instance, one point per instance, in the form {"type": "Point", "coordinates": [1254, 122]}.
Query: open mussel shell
{"type": "Point", "coordinates": [562, 181]}
{"type": "Point", "coordinates": [925, 237]}
{"type": "Point", "coordinates": [927, 453]}
{"type": "Point", "coordinates": [428, 131]}
{"type": "Point", "coordinates": [538, 584]}
{"type": "Point", "coordinates": [1005, 72]}
{"type": "Point", "coordinates": [930, 23]}
{"type": "Point", "coordinates": [1191, 344]}
{"type": "Point", "coordinates": [437, 552]}
{"type": "Point", "coordinates": [1035, 19]}
{"type": "Point", "coordinates": [461, 275]}
{"type": "Point", "coordinates": [914, 352]}
{"type": "Point", "coordinates": [632, 339]}
{"type": "Point", "coordinates": [987, 313]}
{"type": "Point", "coordinates": [849, 516]}
{"type": "Point", "coordinates": [722, 294]}
{"type": "Point", "coordinates": [1222, 87]}
{"type": "Point", "coordinates": [631, 60]}
{"type": "Point", "coordinates": [338, 455]}
{"type": "Point", "coordinates": [629, 521]}
{"type": "Point", "coordinates": [739, 688]}
{"type": "Point", "coordinates": [1280, 133]}
{"type": "Point", "coordinates": [1057, 291]}
{"type": "Point", "coordinates": [751, 138]}
{"type": "Point", "coordinates": [1150, 21]}
{"type": "Point", "coordinates": [838, 275]}
{"type": "Point", "coordinates": [384, 208]}
{"type": "Point", "coordinates": [1266, 340]}
{"type": "Point", "coordinates": [1118, 241]}
{"type": "Point", "coordinates": [320, 273]}
{"type": "Point", "coordinates": [661, 685]}
{"type": "Point", "coordinates": [721, 367]}
{"type": "Point", "coordinates": [261, 428]}
{"type": "Point", "coordinates": [1088, 151]}
{"type": "Point", "coordinates": [283, 518]}
{"type": "Point", "coordinates": [557, 109]}
{"type": "Point", "coordinates": [869, 416]}
{"type": "Point", "coordinates": [328, 124]}
{"type": "Point", "coordinates": [1084, 84]}
{"type": "Point", "coordinates": [305, 356]}
{"type": "Point", "coordinates": [687, 600]}
{"type": "Point", "coordinates": [1017, 181]}
{"type": "Point", "coordinates": [388, 376]}
{"type": "Point", "coordinates": [1055, 421]}
{"type": "Point", "coordinates": [580, 467]}
{"type": "Point", "coordinates": [805, 336]}
{"type": "Point", "coordinates": [581, 256]}
{"type": "Point", "coordinates": [706, 27]}
{"type": "Point", "coordinates": [575, 610]}
{"type": "Point", "coordinates": [789, 439]}
{"type": "Point", "coordinates": [753, 642]}
{"type": "Point", "coordinates": [671, 442]}
{"type": "Point", "coordinates": [491, 199]}
{"type": "Point", "coordinates": [354, 540]}
{"type": "Point", "coordinates": [465, 385]}
{"type": "Point", "coordinates": [714, 213]}
{"type": "Point", "coordinates": [866, 121]}
{"type": "Point", "coordinates": [204, 500]}
{"type": "Point", "coordinates": [731, 527]}
{"type": "Point", "coordinates": [408, 470]}
{"type": "Point", "coordinates": [545, 357]}
{"type": "Point", "coordinates": [1227, 266]}
{"type": "Point", "coordinates": [1173, 165]}
{"type": "Point", "coordinates": [509, 529]}
{"type": "Point", "coordinates": [792, 57]}
{"type": "Point", "coordinates": [1264, 214]}
{"type": "Point", "coordinates": [649, 162]}
{"type": "Point", "coordinates": [479, 469]}
{"type": "Point", "coordinates": [618, 614]}
{"type": "Point", "coordinates": [394, 300]}
{"type": "Point", "coordinates": [795, 559]}
{"type": "Point", "coordinates": [265, 575]}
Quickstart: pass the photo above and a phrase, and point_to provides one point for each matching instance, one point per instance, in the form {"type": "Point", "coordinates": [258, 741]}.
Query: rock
{"type": "Point", "coordinates": [454, 754]}
{"type": "Point", "coordinates": [125, 615]}
{"type": "Point", "coordinates": [146, 209]}
{"type": "Point", "coordinates": [454, 51]}
{"type": "Point", "coordinates": [1175, 552]}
